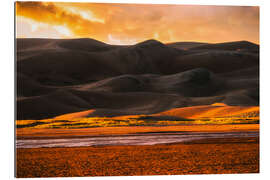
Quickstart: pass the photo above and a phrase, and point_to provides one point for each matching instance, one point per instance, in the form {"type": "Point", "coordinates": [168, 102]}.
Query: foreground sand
{"type": "Point", "coordinates": [208, 156]}
{"type": "Point", "coordinates": [198, 157]}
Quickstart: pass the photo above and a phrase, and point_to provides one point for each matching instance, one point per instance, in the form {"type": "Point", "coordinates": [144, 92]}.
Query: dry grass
{"type": "Point", "coordinates": [240, 156]}
{"type": "Point", "coordinates": [208, 114]}
{"type": "Point", "coordinates": [32, 133]}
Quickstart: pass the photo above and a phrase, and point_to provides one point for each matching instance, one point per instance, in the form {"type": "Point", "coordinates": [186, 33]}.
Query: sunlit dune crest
{"type": "Point", "coordinates": [75, 115]}
{"type": "Point", "coordinates": [206, 114]}
{"type": "Point", "coordinates": [217, 110]}
{"type": "Point", "coordinates": [219, 104]}
{"type": "Point", "coordinates": [211, 111]}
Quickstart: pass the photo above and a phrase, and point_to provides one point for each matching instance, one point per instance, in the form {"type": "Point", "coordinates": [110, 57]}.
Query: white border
{"type": "Point", "coordinates": [7, 87]}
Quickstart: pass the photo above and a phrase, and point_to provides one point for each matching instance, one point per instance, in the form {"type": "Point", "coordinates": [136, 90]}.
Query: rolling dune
{"type": "Point", "coordinates": [232, 46]}
{"type": "Point", "coordinates": [211, 111]}
{"type": "Point", "coordinates": [61, 76]}
{"type": "Point", "coordinates": [217, 110]}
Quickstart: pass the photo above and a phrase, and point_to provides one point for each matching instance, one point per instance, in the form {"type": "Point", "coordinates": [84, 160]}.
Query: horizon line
{"type": "Point", "coordinates": [191, 41]}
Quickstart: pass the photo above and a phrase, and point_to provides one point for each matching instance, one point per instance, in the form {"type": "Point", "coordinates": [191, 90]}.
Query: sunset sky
{"type": "Point", "coordinates": [133, 23]}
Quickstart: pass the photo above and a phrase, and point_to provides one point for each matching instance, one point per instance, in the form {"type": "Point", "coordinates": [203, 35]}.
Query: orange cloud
{"type": "Point", "coordinates": [51, 14]}
{"type": "Point", "coordinates": [131, 23]}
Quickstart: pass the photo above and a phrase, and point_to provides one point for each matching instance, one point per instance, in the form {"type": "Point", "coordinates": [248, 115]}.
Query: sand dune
{"type": "Point", "coordinates": [249, 72]}
{"type": "Point", "coordinates": [237, 45]}
{"type": "Point", "coordinates": [105, 104]}
{"type": "Point", "coordinates": [86, 44]}
{"type": "Point", "coordinates": [185, 45]}
{"type": "Point", "coordinates": [83, 44]}
{"type": "Point", "coordinates": [207, 111]}
{"type": "Point", "coordinates": [28, 87]}
{"type": "Point", "coordinates": [81, 66]}
{"type": "Point", "coordinates": [33, 43]}
{"type": "Point", "coordinates": [216, 61]}
{"type": "Point", "coordinates": [136, 95]}
{"type": "Point", "coordinates": [60, 76]}
{"type": "Point", "coordinates": [195, 82]}
{"type": "Point", "coordinates": [211, 111]}
{"type": "Point", "coordinates": [53, 104]}
{"type": "Point", "coordinates": [96, 60]}
{"type": "Point", "coordinates": [217, 113]}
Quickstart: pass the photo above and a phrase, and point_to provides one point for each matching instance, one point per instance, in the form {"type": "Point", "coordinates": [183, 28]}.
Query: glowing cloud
{"type": "Point", "coordinates": [130, 23]}
{"type": "Point", "coordinates": [28, 28]}
{"type": "Point", "coordinates": [63, 30]}
{"type": "Point", "coordinates": [113, 40]}
{"type": "Point", "coordinates": [85, 14]}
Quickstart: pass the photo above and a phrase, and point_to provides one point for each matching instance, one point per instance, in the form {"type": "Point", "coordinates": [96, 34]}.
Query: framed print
{"type": "Point", "coordinates": [114, 89]}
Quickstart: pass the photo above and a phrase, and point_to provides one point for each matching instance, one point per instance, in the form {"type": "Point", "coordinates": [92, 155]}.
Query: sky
{"type": "Point", "coordinates": [132, 23]}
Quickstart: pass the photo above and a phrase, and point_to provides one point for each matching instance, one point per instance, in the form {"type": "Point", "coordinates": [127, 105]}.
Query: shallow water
{"type": "Point", "coordinates": [130, 139]}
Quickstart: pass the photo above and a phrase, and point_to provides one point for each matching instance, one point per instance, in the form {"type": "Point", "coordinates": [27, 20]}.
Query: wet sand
{"type": "Point", "coordinates": [214, 156]}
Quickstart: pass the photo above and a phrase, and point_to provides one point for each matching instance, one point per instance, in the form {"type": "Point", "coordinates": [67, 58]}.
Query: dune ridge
{"type": "Point", "coordinates": [61, 76]}
{"type": "Point", "coordinates": [209, 111]}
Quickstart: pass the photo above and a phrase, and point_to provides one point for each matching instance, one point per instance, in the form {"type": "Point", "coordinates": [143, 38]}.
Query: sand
{"type": "Point", "coordinates": [86, 77]}
{"type": "Point", "coordinates": [145, 78]}
{"type": "Point", "coordinates": [203, 157]}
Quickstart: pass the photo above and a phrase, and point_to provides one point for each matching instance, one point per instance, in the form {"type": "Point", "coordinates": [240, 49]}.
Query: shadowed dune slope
{"type": "Point", "coordinates": [86, 44]}
{"type": "Point", "coordinates": [195, 82]}
{"type": "Point", "coordinates": [85, 62]}
{"type": "Point", "coordinates": [60, 76]}
{"type": "Point", "coordinates": [185, 45]}
{"type": "Point", "coordinates": [105, 104]}
{"type": "Point", "coordinates": [53, 104]}
{"type": "Point", "coordinates": [201, 85]}
{"type": "Point", "coordinates": [33, 43]}
{"type": "Point", "coordinates": [65, 67]}
{"type": "Point", "coordinates": [83, 44]}
{"type": "Point", "coordinates": [28, 87]}
{"type": "Point", "coordinates": [73, 66]}
{"type": "Point", "coordinates": [237, 45]}
{"type": "Point", "coordinates": [250, 72]}
{"type": "Point", "coordinates": [216, 61]}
